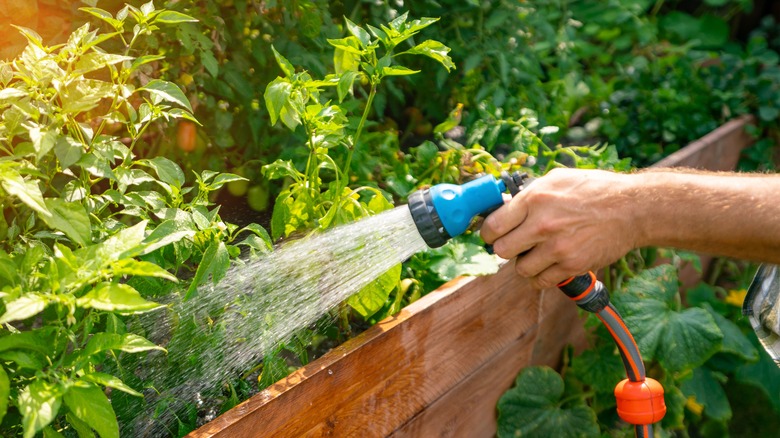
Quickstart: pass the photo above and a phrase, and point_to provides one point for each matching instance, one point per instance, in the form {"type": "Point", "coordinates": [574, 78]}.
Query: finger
{"type": "Point", "coordinates": [503, 220]}
{"type": "Point", "coordinates": [516, 241]}
{"type": "Point", "coordinates": [551, 277]}
{"type": "Point", "coordinates": [532, 264]}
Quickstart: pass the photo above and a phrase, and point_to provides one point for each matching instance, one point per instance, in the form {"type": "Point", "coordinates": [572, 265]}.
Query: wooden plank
{"type": "Point", "coordinates": [374, 383]}
{"type": "Point", "coordinates": [469, 408]}
{"type": "Point", "coordinates": [718, 150]}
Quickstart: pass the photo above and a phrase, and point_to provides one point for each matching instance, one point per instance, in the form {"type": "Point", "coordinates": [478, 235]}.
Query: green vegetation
{"type": "Point", "coordinates": [127, 149]}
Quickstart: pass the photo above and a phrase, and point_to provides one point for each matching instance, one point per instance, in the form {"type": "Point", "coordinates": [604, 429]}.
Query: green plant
{"type": "Point", "coordinates": [90, 231]}
{"type": "Point", "coordinates": [319, 196]}
{"type": "Point", "coordinates": [692, 348]}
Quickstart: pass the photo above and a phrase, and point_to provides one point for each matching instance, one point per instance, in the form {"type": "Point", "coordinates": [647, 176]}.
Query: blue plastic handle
{"type": "Point", "coordinates": [457, 205]}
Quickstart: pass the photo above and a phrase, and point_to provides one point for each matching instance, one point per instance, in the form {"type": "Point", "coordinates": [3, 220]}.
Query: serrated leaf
{"type": "Point", "coordinates": [435, 50]}
{"type": "Point", "coordinates": [168, 91]}
{"type": "Point", "coordinates": [115, 297]}
{"type": "Point", "coordinates": [734, 341]}
{"type": "Point", "coordinates": [90, 405]}
{"type": "Point", "coordinates": [173, 17]}
{"type": "Point", "coordinates": [126, 342]}
{"type": "Point", "coordinates": [462, 258]}
{"type": "Point", "coordinates": [39, 404]}
{"type": "Point", "coordinates": [709, 393]}
{"type": "Point", "coordinates": [71, 218]}
{"type": "Point", "coordinates": [373, 296]}
{"type": "Point", "coordinates": [680, 340]}
{"type": "Point", "coordinates": [533, 408]}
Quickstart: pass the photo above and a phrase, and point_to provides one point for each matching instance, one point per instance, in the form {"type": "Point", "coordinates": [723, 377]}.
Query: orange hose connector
{"type": "Point", "coordinates": [640, 402]}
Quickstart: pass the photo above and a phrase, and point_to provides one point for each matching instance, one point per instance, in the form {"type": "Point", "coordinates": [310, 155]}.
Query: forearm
{"type": "Point", "coordinates": [736, 215]}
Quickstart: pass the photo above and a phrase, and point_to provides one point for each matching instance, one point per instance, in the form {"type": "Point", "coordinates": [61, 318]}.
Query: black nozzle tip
{"type": "Point", "coordinates": [427, 219]}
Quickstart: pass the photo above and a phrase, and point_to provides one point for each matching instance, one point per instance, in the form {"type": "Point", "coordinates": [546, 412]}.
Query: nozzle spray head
{"type": "Point", "coordinates": [446, 210]}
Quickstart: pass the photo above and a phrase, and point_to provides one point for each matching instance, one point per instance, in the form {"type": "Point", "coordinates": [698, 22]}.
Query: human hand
{"type": "Point", "coordinates": [564, 224]}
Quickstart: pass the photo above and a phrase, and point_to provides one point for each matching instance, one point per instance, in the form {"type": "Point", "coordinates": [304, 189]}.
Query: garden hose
{"type": "Point", "coordinates": [446, 210]}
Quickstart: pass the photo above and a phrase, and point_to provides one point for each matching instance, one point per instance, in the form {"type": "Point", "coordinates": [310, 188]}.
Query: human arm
{"type": "Point", "coordinates": [571, 221]}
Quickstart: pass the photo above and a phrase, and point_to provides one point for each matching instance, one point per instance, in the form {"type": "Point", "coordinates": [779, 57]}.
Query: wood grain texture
{"type": "Point", "coordinates": [440, 365]}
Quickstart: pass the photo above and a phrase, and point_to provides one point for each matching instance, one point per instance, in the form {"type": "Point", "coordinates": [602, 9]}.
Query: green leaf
{"type": "Point", "coordinates": [344, 87]}
{"type": "Point", "coordinates": [115, 297]}
{"type": "Point", "coordinates": [68, 151]}
{"type": "Point", "coordinates": [24, 307]}
{"type": "Point", "coordinates": [43, 140]}
{"type": "Point", "coordinates": [346, 57]}
{"type": "Point", "coordinates": [708, 392]}
{"type": "Point", "coordinates": [126, 342]}
{"type": "Point", "coordinates": [435, 50]}
{"type": "Point", "coordinates": [734, 341]}
{"type": "Point", "coordinates": [260, 232]}
{"type": "Point", "coordinates": [169, 231]}
{"type": "Point", "coordinates": [5, 392]}
{"type": "Point", "coordinates": [110, 381]}
{"type": "Point", "coordinates": [168, 171]}
{"type": "Point", "coordinates": [210, 63]}
{"type": "Point", "coordinates": [71, 218]}
{"type": "Point", "coordinates": [27, 191]}
{"type": "Point", "coordinates": [224, 178]}
{"type": "Point", "coordinates": [459, 257]}
{"type": "Point", "coordinates": [362, 36]}
{"type": "Point", "coordinates": [398, 70]}
{"type": "Point", "coordinates": [103, 15]}
{"type": "Point", "coordinates": [39, 404]}
{"type": "Point", "coordinates": [276, 95]}
{"type": "Point", "coordinates": [215, 262]}
{"type": "Point", "coordinates": [281, 169]}
{"type": "Point", "coordinates": [134, 267]}
{"type": "Point", "coordinates": [533, 408]}
{"type": "Point", "coordinates": [173, 17]}
{"type": "Point", "coordinates": [680, 340]}
{"type": "Point", "coordinates": [373, 296]}
{"type": "Point", "coordinates": [90, 405]}
{"type": "Point", "coordinates": [39, 341]}
{"type": "Point", "coordinates": [167, 91]}
{"type": "Point", "coordinates": [286, 66]}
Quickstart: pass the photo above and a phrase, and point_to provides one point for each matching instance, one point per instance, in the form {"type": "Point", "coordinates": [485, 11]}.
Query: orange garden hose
{"type": "Point", "coordinates": [640, 399]}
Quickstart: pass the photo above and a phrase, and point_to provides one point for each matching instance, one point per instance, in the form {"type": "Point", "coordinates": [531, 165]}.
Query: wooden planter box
{"type": "Point", "coordinates": [439, 367]}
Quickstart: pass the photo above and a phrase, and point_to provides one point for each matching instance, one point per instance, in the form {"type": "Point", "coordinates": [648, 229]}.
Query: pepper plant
{"type": "Point", "coordinates": [318, 196]}
{"type": "Point", "coordinates": [87, 225]}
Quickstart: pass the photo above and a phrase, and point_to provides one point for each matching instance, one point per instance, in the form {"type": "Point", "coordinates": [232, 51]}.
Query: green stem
{"type": "Point", "coordinates": [359, 131]}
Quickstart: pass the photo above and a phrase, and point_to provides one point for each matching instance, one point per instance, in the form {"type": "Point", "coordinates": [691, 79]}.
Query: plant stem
{"type": "Point", "coordinates": [356, 138]}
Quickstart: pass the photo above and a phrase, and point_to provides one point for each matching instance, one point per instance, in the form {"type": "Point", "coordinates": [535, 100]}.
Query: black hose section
{"type": "Point", "coordinates": [629, 352]}
{"type": "Point", "coordinates": [643, 430]}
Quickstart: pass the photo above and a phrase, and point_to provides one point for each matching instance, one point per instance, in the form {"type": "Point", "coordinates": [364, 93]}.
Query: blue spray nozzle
{"type": "Point", "coordinates": [446, 210]}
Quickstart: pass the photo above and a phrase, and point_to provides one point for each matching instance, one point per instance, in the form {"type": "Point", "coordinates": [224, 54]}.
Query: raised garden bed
{"type": "Point", "coordinates": [441, 364]}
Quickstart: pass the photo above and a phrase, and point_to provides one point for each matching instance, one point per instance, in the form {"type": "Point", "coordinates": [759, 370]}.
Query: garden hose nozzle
{"type": "Point", "coordinates": [446, 210]}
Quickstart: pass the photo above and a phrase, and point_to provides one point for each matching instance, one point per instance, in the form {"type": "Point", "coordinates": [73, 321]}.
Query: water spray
{"type": "Point", "coordinates": [446, 210]}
